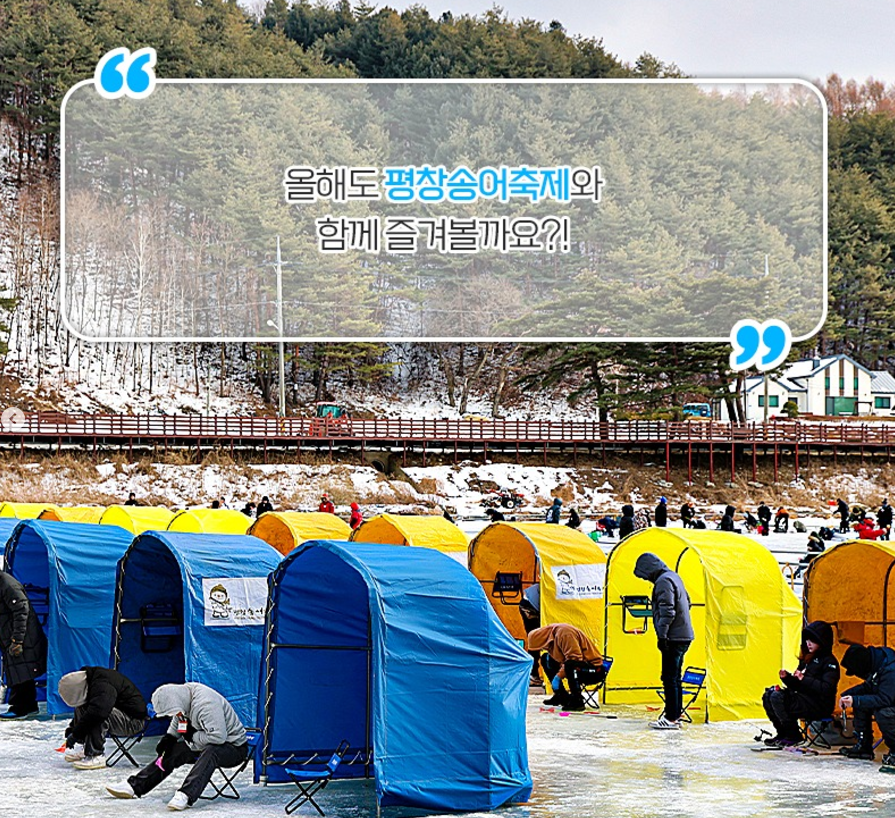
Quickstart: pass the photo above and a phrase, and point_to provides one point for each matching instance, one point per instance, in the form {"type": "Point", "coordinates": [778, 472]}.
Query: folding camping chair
{"type": "Point", "coordinates": [592, 681]}
{"type": "Point", "coordinates": [123, 747]}
{"type": "Point", "coordinates": [508, 587]}
{"type": "Point", "coordinates": [160, 628]}
{"type": "Point", "coordinates": [812, 732]}
{"type": "Point", "coordinates": [640, 609]}
{"type": "Point", "coordinates": [226, 788]}
{"type": "Point", "coordinates": [692, 683]}
{"type": "Point", "coordinates": [311, 782]}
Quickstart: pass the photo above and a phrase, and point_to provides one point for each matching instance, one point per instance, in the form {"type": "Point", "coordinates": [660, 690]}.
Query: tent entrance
{"type": "Point", "coordinates": [317, 686]}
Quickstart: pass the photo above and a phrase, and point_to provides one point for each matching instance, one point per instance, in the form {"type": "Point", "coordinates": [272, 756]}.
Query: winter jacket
{"type": "Point", "coordinates": [764, 513]}
{"type": "Point", "coordinates": [263, 507]}
{"type": "Point", "coordinates": [661, 515]}
{"type": "Point", "coordinates": [107, 689]}
{"type": "Point", "coordinates": [727, 519]}
{"type": "Point", "coordinates": [553, 511]}
{"type": "Point", "coordinates": [686, 512]}
{"type": "Point", "coordinates": [884, 516]}
{"type": "Point", "coordinates": [565, 643]}
{"type": "Point", "coordinates": [671, 602]}
{"type": "Point", "coordinates": [626, 524]}
{"type": "Point", "coordinates": [878, 691]}
{"type": "Point", "coordinates": [574, 519]}
{"type": "Point", "coordinates": [19, 623]}
{"type": "Point", "coordinates": [356, 517]}
{"type": "Point", "coordinates": [867, 531]}
{"type": "Point", "coordinates": [842, 509]}
{"type": "Point", "coordinates": [814, 695]}
{"type": "Point", "coordinates": [207, 710]}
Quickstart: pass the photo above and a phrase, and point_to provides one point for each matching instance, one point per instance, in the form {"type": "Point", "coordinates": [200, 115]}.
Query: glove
{"type": "Point", "coordinates": [167, 742]}
{"type": "Point", "coordinates": [16, 649]}
{"type": "Point", "coordinates": [189, 732]}
{"type": "Point", "coordinates": [661, 643]}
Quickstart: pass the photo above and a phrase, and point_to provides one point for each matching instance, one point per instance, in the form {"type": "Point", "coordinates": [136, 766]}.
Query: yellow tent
{"type": "Point", "coordinates": [848, 586]}
{"type": "Point", "coordinates": [424, 531]}
{"type": "Point", "coordinates": [210, 521]}
{"type": "Point", "coordinates": [25, 511]}
{"type": "Point", "coordinates": [569, 565]}
{"type": "Point", "coordinates": [286, 529]}
{"type": "Point", "coordinates": [137, 519]}
{"type": "Point", "coordinates": [73, 514]}
{"type": "Point", "coordinates": [746, 619]}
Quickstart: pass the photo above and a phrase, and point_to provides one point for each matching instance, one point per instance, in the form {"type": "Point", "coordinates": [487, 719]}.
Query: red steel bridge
{"type": "Point", "coordinates": [704, 444]}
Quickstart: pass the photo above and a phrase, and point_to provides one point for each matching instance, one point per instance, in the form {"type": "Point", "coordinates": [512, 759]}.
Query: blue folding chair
{"type": "Point", "coordinates": [692, 682]}
{"type": "Point", "coordinates": [311, 782]}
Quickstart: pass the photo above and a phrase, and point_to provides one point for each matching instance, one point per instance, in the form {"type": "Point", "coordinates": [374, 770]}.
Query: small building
{"type": "Point", "coordinates": [836, 386]}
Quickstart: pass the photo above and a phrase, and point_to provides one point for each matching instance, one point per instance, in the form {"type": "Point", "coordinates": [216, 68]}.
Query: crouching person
{"type": "Point", "coordinates": [875, 698]}
{"type": "Point", "coordinates": [570, 655]}
{"type": "Point", "coordinates": [105, 702]}
{"type": "Point", "coordinates": [204, 731]}
{"type": "Point", "coordinates": [809, 692]}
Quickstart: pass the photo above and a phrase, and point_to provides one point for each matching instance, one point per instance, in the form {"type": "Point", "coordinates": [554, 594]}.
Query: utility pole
{"type": "Point", "coordinates": [765, 372]}
{"type": "Point", "coordinates": [281, 327]}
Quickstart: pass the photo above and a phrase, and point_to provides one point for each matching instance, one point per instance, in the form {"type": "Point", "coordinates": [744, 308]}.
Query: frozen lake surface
{"type": "Point", "coordinates": [583, 767]}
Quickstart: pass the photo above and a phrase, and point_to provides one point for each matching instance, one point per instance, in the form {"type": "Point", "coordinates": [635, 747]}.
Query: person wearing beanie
{"type": "Point", "coordinates": [661, 514]}
{"type": "Point", "coordinates": [23, 646]}
{"type": "Point", "coordinates": [674, 632]}
{"type": "Point", "coordinates": [884, 519]}
{"type": "Point", "coordinates": [553, 511]}
{"type": "Point", "coordinates": [106, 703]}
{"type": "Point", "coordinates": [873, 698]}
{"type": "Point", "coordinates": [809, 692]}
{"type": "Point", "coordinates": [204, 731]}
{"type": "Point", "coordinates": [357, 517]}
{"type": "Point", "coordinates": [687, 514]}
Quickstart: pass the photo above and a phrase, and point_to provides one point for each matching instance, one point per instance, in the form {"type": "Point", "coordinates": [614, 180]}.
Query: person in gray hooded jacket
{"type": "Point", "coordinates": [674, 632]}
{"type": "Point", "coordinates": [204, 731]}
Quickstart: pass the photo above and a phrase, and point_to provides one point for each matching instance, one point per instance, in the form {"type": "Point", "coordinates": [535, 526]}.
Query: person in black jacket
{"type": "Point", "coordinates": [687, 514]}
{"type": "Point", "coordinates": [661, 515]}
{"type": "Point", "coordinates": [727, 519]}
{"type": "Point", "coordinates": [874, 698]}
{"type": "Point", "coordinates": [626, 524]}
{"type": "Point", "coordinates": [809, 692]}
{"type": "Point", "coordinates": [23, 645]}
{"type": "Point", "coordinates": [884, 519]}
{"type": "Point", "coordinates": [105, 701]}
{"type": "Point", "coordinates": [764, 517]}
{"type": "Point", "coordinates": [842, 511]}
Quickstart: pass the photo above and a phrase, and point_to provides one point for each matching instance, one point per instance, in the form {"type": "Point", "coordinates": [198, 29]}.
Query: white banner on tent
{"type": "Point", "coordinates": [579, 581]}
{"type": "Point", "coordinates": [233, 601]}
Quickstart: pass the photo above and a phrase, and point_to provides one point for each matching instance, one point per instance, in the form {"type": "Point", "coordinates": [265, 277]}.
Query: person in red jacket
{"type": "Point", "coordinates": [357, 517]}
{"type": "Point", "coordinates": [867, 531]}
{"type": "Point", "coordinates": [326, 505]}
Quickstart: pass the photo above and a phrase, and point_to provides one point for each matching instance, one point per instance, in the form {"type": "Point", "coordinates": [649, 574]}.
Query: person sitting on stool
{"type": "Point", "coordinates": [569, 655]}
{"type": "Point", "coordinates": [105, 702]}
{"type": "Point", "coordinates": [204, 731]}
{"type": "Point", "coordinates": [874, 698]}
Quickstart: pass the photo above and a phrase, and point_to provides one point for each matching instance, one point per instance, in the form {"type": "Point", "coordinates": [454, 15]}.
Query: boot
{"type": "Point", "coordinates": [862, 751]}
{"type": "Point", "coordinates": [559, 698]}
{"type": "Point", "coordinates": [574, 704]}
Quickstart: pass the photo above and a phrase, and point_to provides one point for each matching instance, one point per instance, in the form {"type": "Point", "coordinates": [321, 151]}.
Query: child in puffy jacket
{"type": "Point", "coordinates": [809, 692]}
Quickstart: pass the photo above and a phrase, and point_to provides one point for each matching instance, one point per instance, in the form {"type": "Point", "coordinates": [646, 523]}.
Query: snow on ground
{"type": "Point", "coordinates": [582, 767]}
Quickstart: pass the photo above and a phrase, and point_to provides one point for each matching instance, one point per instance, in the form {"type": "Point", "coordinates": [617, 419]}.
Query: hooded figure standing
{"type": "Point", "coordinates": [874, 698]}
{"type": "Point", "coordinates": [843, 512]}
{"type": "Point", "coordinates": [884, 519]}
{"type": "Point", "coordinates": [674, 632]}
{"type": "Point", "coordinates": [204, 731]}
{"type": "Point", "coordinates": [105, 702]}
{"type": "Point", "coordinates": [661, 514]}
{"type": "Point", "coordinates": [569, 655]}
{"type": "Point", "coordinates": [23, 645]}
{"type": "Point", "coordinates": [809, 692]}
{"type": "Point", "coordinates": [553, 511]}
{"type": "Point", "coordinates": [626, 524]}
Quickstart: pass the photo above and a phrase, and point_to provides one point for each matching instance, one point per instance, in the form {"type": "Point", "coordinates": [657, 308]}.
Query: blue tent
{"type": "Point", "coordinates": [398, 651]}
{"type": "Point", "coordinates": [69, 572]}
{"type": "Point", "coordinates": [7, 526]}
{"type": "Point", "coordinates": [190, 608]}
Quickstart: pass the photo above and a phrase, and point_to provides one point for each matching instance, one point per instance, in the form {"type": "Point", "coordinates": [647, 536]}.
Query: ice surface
{"type": "Point", "coordinates": [583, 767]}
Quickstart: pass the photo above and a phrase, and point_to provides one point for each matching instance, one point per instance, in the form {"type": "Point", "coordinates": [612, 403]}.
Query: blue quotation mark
{"type": "Point", "coordinates": [762, 346]}
{"type": "Point", "coordinates": [122, 73]}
